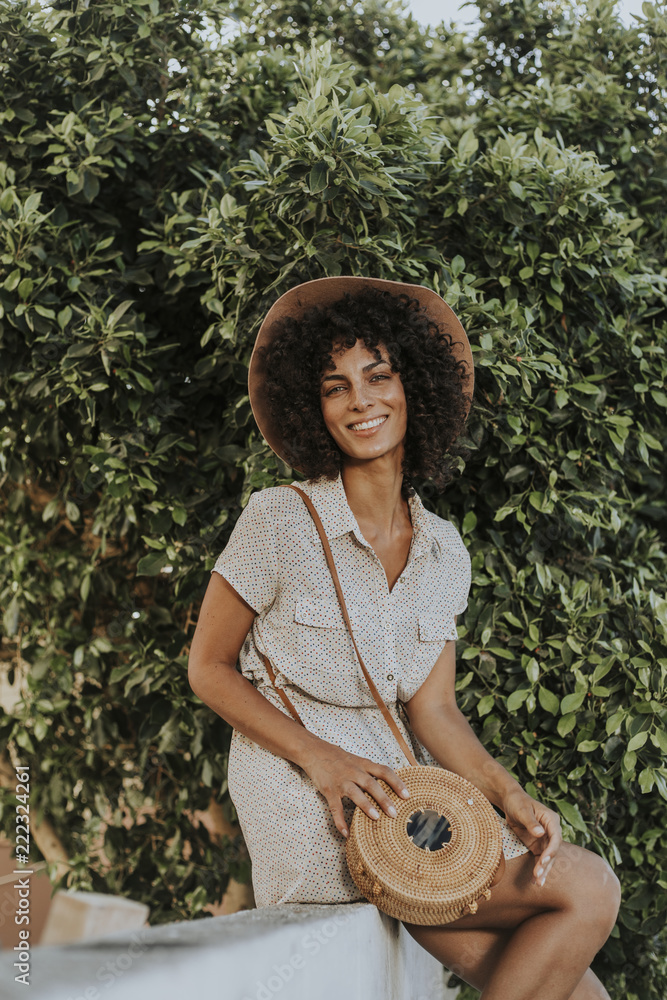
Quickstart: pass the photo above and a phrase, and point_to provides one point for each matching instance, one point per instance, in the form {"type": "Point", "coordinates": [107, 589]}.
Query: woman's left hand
{"type": "Point", "coordinates": [537, 827]}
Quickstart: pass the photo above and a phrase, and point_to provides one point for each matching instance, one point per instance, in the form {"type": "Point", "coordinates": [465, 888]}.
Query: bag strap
{"type": "Point", "coordinates": [369, 680]}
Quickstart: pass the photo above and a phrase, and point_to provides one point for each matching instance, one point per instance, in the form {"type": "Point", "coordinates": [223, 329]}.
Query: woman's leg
{"type": "Point", "coordinates": [473, 955]}
{"type": "Point", "coordinates": [532, 941]}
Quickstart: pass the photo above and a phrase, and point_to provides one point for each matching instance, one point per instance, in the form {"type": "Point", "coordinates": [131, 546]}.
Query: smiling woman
{"type": "Point", "coordinates": [307, 367]}
{"type": "Point", "coordinates": [362, 384]}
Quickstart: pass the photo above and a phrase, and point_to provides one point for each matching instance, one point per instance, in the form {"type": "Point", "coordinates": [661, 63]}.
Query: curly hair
{"type": "Point", "coordinates": [300, 353]}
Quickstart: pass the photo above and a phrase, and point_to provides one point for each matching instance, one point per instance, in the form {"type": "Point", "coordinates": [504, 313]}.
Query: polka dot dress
{"type": "Point", "coordinates": [275, 561]}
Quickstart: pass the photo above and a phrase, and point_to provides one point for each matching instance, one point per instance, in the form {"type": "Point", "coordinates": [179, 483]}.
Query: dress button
{"type": "Point", "coordinates": [390, 677]}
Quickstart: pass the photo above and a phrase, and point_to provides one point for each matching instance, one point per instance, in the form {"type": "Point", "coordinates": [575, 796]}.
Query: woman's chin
{"type": "Point", "coordinates": [367, 452]}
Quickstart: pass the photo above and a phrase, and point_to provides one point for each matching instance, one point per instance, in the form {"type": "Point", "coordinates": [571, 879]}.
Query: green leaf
{"type": "Point", "coordinates": [179, 515]}
{"type": "Point", "coordinates": [638, 740]}
{"type": "Point", "coordinates": [468, 145]}
{"type": "Point", "coordinates": [469, 522]}
{"type": "Point", "coordinates": [12, 280]}
{"type": "Point", "coordinates": [615, 721]}
{"type": "Point", "coordinates": [119, 312]}
{"type": "Point", "coordinates": [548, 700]}
{"type": "Point", "coordinates": [571, 702]}
{"type": "Point", "coordinates": [458, 265]}
{"type": "Point", "coordinates": [91, 186]}
{"type": "Point", "coordinates": [7, 200]}
{"type": "Point", "coordinates": [485, 705]}
{"type": "Point", "coordinates": [25, 288]}
{"type": "Point", "coordinates": [516, 473]}
{"type": "Point", "coordinates": [10, 617]}
{"type": "Point", "coordinates": [570, 813]}
{"type": "Point", "coordinates": [144, 382]}
{"type": "Point", "coordinates": [646, 779]}
{"type": "Point", "coordinates": [317, 180]}
{"type": "Point", "coordinates": [566, 724]}
{"type": "Point", "coordinates": [659, 739]}
{"type": "Point", "coordinates": [151, 564]}
{"type": "Point", "coordinates": [517, 698]}
{"type": "Point", "coordinates": [147, 484]}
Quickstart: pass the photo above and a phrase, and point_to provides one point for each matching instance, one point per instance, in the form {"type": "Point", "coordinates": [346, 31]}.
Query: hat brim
{"type": "Point", "coordinates": [323, 292]}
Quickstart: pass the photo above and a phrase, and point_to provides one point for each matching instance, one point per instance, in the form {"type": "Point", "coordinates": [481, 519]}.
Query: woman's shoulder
{"type": "Point", "coordinates": [278, 502]}
{"type": "Point", "coordinates": [447, 535]}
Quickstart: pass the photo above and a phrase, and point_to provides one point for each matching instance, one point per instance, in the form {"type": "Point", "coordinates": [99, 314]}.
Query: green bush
{"type": "Point", "coordinates": [151, 211]}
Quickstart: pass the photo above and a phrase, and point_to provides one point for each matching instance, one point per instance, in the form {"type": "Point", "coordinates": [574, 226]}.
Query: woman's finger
{"type": "Point", "coordinates": [546, 857]}
{"type": "Point", "coordinates": [336, 807]}
{"type": "Point", "coordinates": [392, 779]}
{"type": "Point", "coordinates": [554, 841]}
{"type": "Point", "coordinates": [354, 790]}
{"type": "Point", "coordinates": [370, 785]}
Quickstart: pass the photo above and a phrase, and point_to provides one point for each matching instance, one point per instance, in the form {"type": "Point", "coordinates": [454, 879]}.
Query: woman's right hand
{"type": "Point", "coordinates": [338, 774]}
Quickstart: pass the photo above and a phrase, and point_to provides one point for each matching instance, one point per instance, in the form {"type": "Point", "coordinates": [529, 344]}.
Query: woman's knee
{"type": "Point", "coordinates": [587, 885]}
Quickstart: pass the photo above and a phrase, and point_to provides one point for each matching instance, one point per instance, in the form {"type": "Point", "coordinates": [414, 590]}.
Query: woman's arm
{"type": "Point", "coordinates": [223, 624]}
{"type": "Point", "coordinates": [440, 726]}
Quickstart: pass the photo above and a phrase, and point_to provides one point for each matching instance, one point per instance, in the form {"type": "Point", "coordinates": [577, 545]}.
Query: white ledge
{"type": "Point", "coordinates": [290, 952]}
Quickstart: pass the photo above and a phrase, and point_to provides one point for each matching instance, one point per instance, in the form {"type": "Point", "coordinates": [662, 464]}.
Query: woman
{"type": "Point", "coordinates": [363, 384]}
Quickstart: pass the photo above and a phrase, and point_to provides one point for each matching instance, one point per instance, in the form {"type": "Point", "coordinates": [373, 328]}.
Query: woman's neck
{"type": "Point", "coordinates": [373, 491]}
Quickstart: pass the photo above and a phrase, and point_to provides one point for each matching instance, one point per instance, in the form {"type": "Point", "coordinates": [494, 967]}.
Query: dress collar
{"type": "Point", "coordinates": [337, 518]}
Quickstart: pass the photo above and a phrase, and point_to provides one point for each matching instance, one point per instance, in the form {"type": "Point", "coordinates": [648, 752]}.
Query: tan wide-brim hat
{"type": "Point", "coordinates": [324, 292]}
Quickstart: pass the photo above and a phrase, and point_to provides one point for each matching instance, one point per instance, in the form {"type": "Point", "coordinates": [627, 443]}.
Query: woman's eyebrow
{"type": "Point", "coordinates": [367, 368]}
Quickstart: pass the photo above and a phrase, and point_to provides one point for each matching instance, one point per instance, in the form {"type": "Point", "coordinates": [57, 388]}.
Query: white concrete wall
{"type": "Point", "coordinates": [297, 952]}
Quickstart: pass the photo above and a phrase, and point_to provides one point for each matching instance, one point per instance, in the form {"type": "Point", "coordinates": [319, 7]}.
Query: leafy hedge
{"type": "Point", "coordinates": [163, 182]}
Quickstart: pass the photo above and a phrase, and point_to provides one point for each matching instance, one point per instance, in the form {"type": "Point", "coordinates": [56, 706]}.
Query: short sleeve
{"type": "Point", "coordinates": [463, 578]}
{"type": "Point", "coordinates": [248, 561]}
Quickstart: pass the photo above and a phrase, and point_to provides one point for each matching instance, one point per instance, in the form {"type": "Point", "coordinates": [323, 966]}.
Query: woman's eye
{"type": "Point", "coordinates": [332, 391]}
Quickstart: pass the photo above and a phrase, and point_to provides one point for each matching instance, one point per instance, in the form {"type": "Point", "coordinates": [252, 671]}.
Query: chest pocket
{"type": "Point", "coordinates": [436, 628]}
{"type": "Point", "coordinates": [324, 614]}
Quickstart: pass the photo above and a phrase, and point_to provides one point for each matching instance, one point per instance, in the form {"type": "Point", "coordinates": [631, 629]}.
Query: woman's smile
{"type": "Point", "coordinates": [365, 428]}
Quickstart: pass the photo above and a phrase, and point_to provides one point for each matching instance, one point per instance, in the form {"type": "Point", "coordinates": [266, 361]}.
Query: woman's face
{"type": "Point", "coordinates": [360, 391]}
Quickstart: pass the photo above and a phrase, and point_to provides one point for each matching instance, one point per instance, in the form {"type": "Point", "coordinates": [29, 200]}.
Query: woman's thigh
{"type": "Point", "coordinates": [579, 882]}
{"type": "Point", "coordinates": [473, 955]}
{"type": "Point", "coordinates": [578, 879]}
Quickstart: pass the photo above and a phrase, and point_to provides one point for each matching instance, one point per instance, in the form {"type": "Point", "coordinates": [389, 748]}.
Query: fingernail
{"type": "Point", "coordinates": [538, 829]}
{"type": "Point", "coordinates": [542, 880]}
{"type": "Point", "coordinates": [374, 814]}
{"type": "Point", "coordinates": [392, 811]}
{"type": "Point", "coordinates": [547, 859]}
{"type": "Point", "coordinates": [540, 871]}
{"type": "Point", "coordinates": [405, 793]}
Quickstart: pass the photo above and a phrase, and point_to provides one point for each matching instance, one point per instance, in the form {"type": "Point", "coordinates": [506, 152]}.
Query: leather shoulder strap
{"type": "Point", "coordinates": [369, 680]}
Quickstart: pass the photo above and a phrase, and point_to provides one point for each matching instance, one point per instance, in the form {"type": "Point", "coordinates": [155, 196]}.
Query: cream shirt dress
{"type": "Point", "coordinates": [274, 559]}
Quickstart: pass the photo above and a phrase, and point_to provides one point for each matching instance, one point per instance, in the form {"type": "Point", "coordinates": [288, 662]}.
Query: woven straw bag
{"type": "Point", "coordinates": [443, 851]}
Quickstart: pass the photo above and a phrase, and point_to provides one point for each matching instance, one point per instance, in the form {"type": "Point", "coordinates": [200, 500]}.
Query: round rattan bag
{"type": "Point", "coordinates": [441, 854]}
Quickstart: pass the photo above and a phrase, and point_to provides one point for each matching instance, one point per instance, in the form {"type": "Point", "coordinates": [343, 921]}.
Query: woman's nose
{"type": "Point", "coordinates": [359, 396]}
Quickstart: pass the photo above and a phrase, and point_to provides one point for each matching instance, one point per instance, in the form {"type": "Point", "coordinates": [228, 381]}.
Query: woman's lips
{"type": "Point", "coordinates": [368, 431]}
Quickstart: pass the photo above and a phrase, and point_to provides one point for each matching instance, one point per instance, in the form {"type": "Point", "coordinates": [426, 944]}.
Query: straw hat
{"type": "Point", "coordinates": [324, 292]}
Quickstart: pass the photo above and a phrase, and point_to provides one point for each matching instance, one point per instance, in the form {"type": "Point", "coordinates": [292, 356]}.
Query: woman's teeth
{"type": "Point", "coordinates": [367, 424]}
